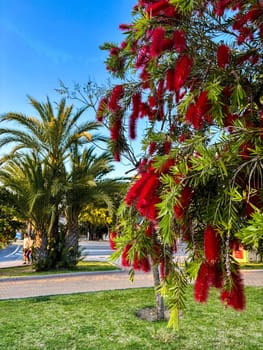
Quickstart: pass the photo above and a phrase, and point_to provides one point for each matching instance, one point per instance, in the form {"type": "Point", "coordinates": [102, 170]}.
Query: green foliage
{"type": "Point", "coordinates": [251, 235]}
{"type": "Point", "coordinates": [174, 290]}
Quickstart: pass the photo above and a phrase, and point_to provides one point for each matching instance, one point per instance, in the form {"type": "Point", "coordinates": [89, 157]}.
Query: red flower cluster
{"type": "Point", "coordinates": [112, 237]}
{"type": "Point", "coordinates": [209, 275]}
{"type": "Point", "coordinates": [211, 244]}
{"type": "Point", "coordinates": [176, 78]}
{"type": "Point", "coordinates": [197, 113]}
{"type": "Point", "coordinates": [124, 257]}
{"type": "Point", "coordinates": [160, 8]}
{"type": "Point", "coordinates": [179, 41]}
{"type": "Point", "coordinates": [223, 55]}
{"type": "Point", "coordinates": [136, 103]}
{"type": "Point", "coordinates": [144, 193]}
{"type": "Point", "coordinates": [116, 95]}
{"type": "Point", "coordinates": [183, 202]}
{"type": "Point", "coordinates": [235, 296]}
{"type": "Point", "coordinates": [142, 263]}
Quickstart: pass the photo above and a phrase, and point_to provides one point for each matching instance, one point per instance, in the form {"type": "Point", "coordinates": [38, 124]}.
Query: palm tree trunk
{"type": "Point", "coordinates": [72, 242]}
{"type": "Point", "coordinates": [40, 253]}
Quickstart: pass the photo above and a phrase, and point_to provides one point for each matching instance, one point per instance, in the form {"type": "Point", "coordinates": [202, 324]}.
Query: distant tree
{"type": "Point", "coordinates": [86, 184]}
{"type": "Point", "coordinates": [50, 136]}
{"type": "Point", "coordinates": [28, 180]}
{"type": "Point", "coordinates": [190, 89]}
{"type": "Point", "coordinates": [9, 223]}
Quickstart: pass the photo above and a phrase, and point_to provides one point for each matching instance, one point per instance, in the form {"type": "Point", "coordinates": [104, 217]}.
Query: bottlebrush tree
{"type": "Point", "coordinates": [190, 90]}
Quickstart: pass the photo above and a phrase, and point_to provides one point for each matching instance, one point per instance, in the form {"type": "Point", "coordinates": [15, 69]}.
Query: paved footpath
{"type": "Point", "coordinates": [24, 287]}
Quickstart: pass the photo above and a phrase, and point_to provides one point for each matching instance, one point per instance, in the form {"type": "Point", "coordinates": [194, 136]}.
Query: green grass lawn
{"type": "Point", "coordinates": [107, 321]}
{"type": "Point", "coordinates": [82, 266]}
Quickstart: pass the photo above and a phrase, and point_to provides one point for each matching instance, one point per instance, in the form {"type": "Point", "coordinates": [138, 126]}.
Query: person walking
{"type": "Point", "coordinates": [27, 249]}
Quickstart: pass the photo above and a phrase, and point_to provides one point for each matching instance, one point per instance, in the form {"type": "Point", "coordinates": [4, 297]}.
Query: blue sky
{"type": "Point", "coordinates": [44, 41]}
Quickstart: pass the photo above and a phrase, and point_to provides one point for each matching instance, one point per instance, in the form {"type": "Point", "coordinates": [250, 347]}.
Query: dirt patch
{"type": "Point", "coordinates": [150, 314]}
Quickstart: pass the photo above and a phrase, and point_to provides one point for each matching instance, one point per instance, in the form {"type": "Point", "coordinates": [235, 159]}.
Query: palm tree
{"type": "Point", "coordinates": [85, 184]}
{"type": "Point", "coordinates": [51, 136]}
{"type": "Point", "coordinates": [28, 179]}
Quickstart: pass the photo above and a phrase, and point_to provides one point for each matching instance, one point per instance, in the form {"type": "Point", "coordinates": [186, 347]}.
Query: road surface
{"type": "Point", "coordinates": [90, 250]}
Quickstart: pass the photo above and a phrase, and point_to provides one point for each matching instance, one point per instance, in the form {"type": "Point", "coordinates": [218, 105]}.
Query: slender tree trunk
{"type": "Point", "coordinates": [156, 280]}
{"type": "Point", "coordinates": [158, 298]}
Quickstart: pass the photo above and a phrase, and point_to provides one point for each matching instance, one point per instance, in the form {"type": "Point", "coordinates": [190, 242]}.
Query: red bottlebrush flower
{"type": "Point", "coordinates": [149, 189]}
{"type": "Point", "coordinates": [136, 188]}
{"type": "Point", "coordinates": [178, 211]}
{"type": "Point", "coordinates": [254, 13]}
{"type": "Point", "coordinates": [145, 78]}
{"type": "Point", "coordinates": [116, 95]}
{"type": "Point", "coordinates": [152, 101]}
{"type": "Point", "coordinates": [149, 230]}
{"type": "Point", "coordinates": [145, 264]}
{"type": "Point", "coordinates": [114, 51]}
{"type": "Point", "coordinates": [170, 79]}
{"type": "Point", "coordinates": [201, 287]}
{"type": "Point", "coordinates": [202, 107]}
{"type": "Point", "coordinates": [182, 137]}
{"type": "Point", "coordinates": [112, 237]}
{"type": "Point", "coordinates": [152, 148]}
{"type": "Point", "coordinates": [136, 262]}
{"type": "Point", "coordinates": [115, 129]}
{"type": "Point", "coordinates": [211, 244]}
{"type": "Point", "coordinates": [255, 201]}
{"type": "Point", "coordinates": [223, 55]}
{"type": "Point", "coordinates": [202, 104]}
{"type": "Point", "coordinates": [229, 121]}
{"type": "Point", "coordinates": [152, 213]}
{"type": "Point", "coordinates": [136, 101]}
{"type": "Point", "coordinates": [186, 233]}
{"type": "Point", "coordinates": [157, 41]}
{"type": "Point", "coordinates": [101, 109]}
{"type": "Point", "coordinates": [215, 276]}
{"type": "Point", "coordinates": [190, 113]}
{"type": "Point", "coordinates": [143, 57]}
{"type": "Point", "coordinates": [124, 257]}
{"type": "Point", "coordinates": [167, 44]}
{"type": "Point", "coordinates": [179, 41]}
{"type": "Point", "coordinates": [221, 6]}
{"type": "Point", "coordinates": [235, 296]}
{"type": "Point", "coordinates": [186, 196]}
{"type": "Point", "coordinates": [145, 110]}
{"type": "Point", "coordinates": [132, 127]}
{"type": "Point", "coordinates": [167, 147]}
{"type": "Point", "coordinates": [182, 70]}
{"type": "Point", "coordinates": [161, 7]}
{"type": "Point", "coordinates": [116, 155]}
{"type": "Point", "coordinates": [125, 27]}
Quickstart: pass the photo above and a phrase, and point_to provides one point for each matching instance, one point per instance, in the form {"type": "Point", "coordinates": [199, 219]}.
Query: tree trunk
{"type": "Point", "coordinates": [72, 242]}
{"type": "Point", "coordinates": [40, 253]}
{"type": "Point", "coordinates": [158, 298]}
{"type": "Point", "coordinates": [55, 245]}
